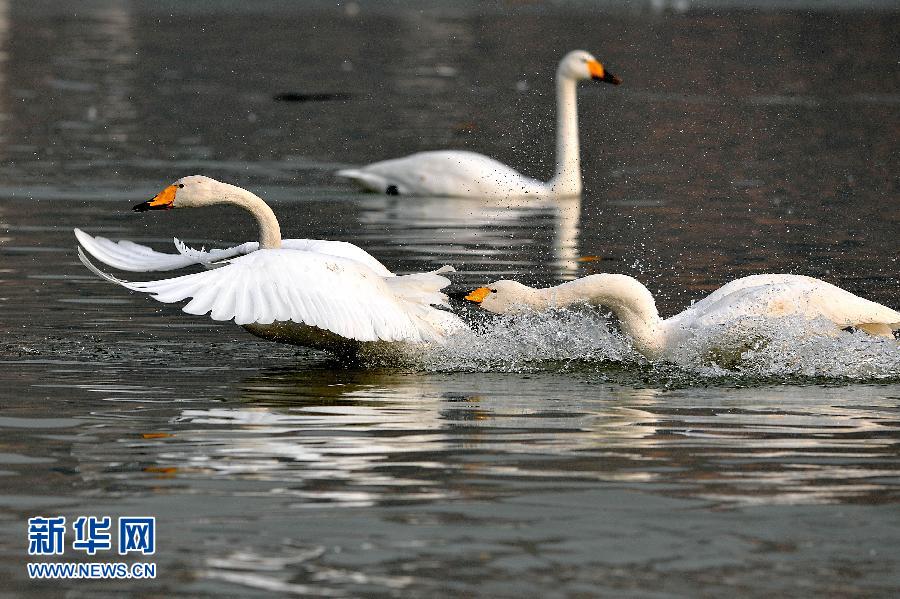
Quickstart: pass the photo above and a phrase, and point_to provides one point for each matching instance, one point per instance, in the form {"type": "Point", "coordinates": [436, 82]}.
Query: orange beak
{"type": "Point", "coordinates": [478, 295]}
{"type": "Point", "coordinates": [598, 73]}
{"type": "Point", "coordinates": [164, 200]}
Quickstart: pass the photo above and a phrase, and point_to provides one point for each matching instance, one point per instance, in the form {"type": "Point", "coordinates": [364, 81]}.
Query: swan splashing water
{"type": "Point", "coordinates": [585, 339]}
{"type": "Point", "coordinates": [758, 326]}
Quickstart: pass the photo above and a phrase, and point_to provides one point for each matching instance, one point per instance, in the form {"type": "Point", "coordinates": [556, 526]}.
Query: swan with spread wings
{"type": "Point", "coordinates": [329, 295]}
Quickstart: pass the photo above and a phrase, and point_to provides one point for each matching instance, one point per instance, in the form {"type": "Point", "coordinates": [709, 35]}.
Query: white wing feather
{"type": "Point", "coordinates": [127, 255]}
{"type": "Point", "coordinates": [328, 292]}
{"type": "Point", "coordinates": [209, 257]}
{"type": "Point", "coordinates": [134, 257]}
{"type": "Point", "coordinates": [341, 249]}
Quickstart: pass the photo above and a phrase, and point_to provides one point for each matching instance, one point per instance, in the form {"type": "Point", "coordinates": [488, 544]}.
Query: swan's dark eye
{"type": "Point", "coordinates": [180, 185]}
{"type": "Point", "coordinates": [492, 290]}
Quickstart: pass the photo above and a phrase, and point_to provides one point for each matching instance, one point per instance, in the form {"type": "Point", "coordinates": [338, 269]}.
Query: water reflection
{"type": "Point", "coordinates": [4, 91]}
{"type": "Point", "coordinates": [492, 237]}
{"type": "Point", "coordinates": [368, 438]}
{"type": "Point", "coordinates": [81, 71]}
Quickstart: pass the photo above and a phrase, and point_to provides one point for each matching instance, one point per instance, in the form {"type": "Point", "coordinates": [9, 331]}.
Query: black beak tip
{"type": "Point", "coordinates": [610, 78]}
{"type": "Point", "coordinates": [142, 207]}
{"type": "Point", "coordinates": [457, 295]}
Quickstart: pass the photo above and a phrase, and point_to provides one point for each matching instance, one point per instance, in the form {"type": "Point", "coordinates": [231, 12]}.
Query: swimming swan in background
{"type": "Point", "coordinates": [455, 173]}
{"type": "Point", "coordinates": [772, 296]}
{"type": "Point", "coordinates": [332, 300]}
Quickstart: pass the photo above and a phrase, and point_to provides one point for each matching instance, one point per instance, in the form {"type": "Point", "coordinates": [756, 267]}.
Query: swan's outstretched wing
{"type": "Point", "coordinates": [134, 257]}
{"type": "Point", "coordinates": [790, 295]}
{"type": "Point", "coordinates": [127, 255]}
{"type": "Point", "coordinates": [328, 292]}
{"type": "Point", "coordinates": [340, 249]}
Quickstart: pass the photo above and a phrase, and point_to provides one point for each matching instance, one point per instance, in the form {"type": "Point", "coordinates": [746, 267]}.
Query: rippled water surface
{"type": "Point", "coordinates": [538, 456]}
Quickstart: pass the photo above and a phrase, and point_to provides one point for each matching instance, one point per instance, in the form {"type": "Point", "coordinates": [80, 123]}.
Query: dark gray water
{"type": "Point", "coordinates": [536, 458]}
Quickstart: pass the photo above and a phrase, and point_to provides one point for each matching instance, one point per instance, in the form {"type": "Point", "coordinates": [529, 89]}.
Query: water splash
{"type": "Point", "coordinates": [758, 349]}
{"type": "Point", "coordinates": [814, 349]}
{"type": "Point", "coordinates": [531, 342]}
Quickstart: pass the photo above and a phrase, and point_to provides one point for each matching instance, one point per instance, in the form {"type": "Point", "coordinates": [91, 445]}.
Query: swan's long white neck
{"type": "Point", "coordinates": [629, 300]}
{"type": "Point", "coordinates": [567, 179]}
{"type": "Point", "coordinates": [269, 231]}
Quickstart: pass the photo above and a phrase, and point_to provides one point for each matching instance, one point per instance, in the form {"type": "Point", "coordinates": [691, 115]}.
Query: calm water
{"type": "Point", "coordinates": [534, 458]}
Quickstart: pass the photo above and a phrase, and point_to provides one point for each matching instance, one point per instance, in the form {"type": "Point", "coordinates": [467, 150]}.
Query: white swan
{"type": "Point", "coordinates": [770, 296]}
{"type": "Point", "coordinates": [453, 173]}
{"type": "Point", "coordinates": [327, 295]}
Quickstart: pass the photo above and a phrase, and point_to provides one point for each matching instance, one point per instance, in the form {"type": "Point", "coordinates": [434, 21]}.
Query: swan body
{"type": "Point", "coordinates": [321, 294]}
{"type": "Point", "coordinates": [453, 173]}
{"type": "Point", "coordinates": [446, 173]}
{"type": "Point", "coordinates": [767, 296]}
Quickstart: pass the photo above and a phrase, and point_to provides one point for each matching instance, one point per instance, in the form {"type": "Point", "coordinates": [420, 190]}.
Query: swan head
{"type": "Point", "coordinates": [579, 64]}
{"type": "Point", "coordinates": [505, 297]}
{"type": "Point", "coordinates": [187, 192]}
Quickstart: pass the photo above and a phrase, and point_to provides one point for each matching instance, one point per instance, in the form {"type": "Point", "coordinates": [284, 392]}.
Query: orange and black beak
{"type": "Point", "coordinates": [598, 73]}
{"type": "Point", "coordinates": [478, 295]}
{"type": "Point", "coordinates": [164, 200]}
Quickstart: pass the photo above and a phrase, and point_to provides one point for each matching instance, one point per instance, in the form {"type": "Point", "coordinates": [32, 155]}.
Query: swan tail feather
{"type": "Point", "coordinates": [364, 179]}
{"type": "Point", "coordinates": [879, 329]}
